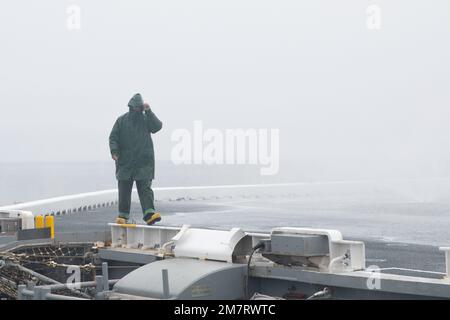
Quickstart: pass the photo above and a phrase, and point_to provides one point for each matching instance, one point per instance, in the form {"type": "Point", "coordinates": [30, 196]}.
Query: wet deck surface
{"type": "Point", "coordinates": [401, 235]}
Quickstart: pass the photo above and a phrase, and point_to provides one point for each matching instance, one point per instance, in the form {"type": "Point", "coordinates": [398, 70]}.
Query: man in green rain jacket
{"type": "Point", "coordinates": [131, 148]}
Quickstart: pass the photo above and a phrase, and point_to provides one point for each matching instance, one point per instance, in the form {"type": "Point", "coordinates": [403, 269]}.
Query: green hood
{"type": "Point", "coordinates": [136, 101]}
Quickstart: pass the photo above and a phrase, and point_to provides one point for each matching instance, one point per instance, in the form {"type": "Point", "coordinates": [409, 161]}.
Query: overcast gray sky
{"type": "Point", "coordinates": [344, 97]}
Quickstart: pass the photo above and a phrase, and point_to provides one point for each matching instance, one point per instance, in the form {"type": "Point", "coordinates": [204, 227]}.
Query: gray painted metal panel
{"type": "Point", "coordinates": [187, 279]}
{"type": "Point", "coordinates": [299, 245]}
{"type": "Point", "coordinates": [23, 243]}
{"type": "Point", "coordinates": [95, 236]}
{"type": "Point", "coordinates": [31, 234]}
{"type": "Point", "coordinates": [127, 256]}
{"type": "Point", "coordinates": [399, 285]}
{"type": "Point", "coordinates": [7, 239]}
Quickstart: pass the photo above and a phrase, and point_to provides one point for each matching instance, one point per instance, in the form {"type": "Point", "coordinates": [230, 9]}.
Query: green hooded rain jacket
{"type": "Point", "coordinates": [131, 141]}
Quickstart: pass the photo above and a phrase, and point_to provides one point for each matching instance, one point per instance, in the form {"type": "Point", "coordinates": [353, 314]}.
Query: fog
{"type": "Point", "coordinates": [350, 102]}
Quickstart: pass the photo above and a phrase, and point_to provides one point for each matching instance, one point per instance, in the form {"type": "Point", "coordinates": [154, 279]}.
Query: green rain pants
{"type": "Point", "coordinates": [146, 197]}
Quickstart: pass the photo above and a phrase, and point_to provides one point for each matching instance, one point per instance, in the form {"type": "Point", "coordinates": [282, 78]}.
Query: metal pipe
{"type": "Point", "coordinates": [40, 293]}
{"type": "Point", "coordinates": [44, 292]}
{"type": "Point", "coordinates": [24, 293]}
{"type": "Point", "coordinates": [325, 293]}
{"type": "Point", "coordinates": [334, 261]}
{"type": "Point", "coordinates": [27, 292]}
{"type": "Point", "coordinates": [58, 285]}
{"type": "Point", "coordinates": [52, 296]}
{"type": "Point", "coordinates": [99, 287]}
{"type": "Point", "coordinates": [165, 281]}
{"type": "Point", "coordinates": [20, 288]}
{"type": "Point", "coordinates": [105, 276]}
{"type": "Point", "coordinates": [71, 285]}
{"type": "Point", "coordinates": [79, 284]}
{"type": "Point", "coordinates": [35, 274]}
{"type": "Point", "coordinates": [45, 279]}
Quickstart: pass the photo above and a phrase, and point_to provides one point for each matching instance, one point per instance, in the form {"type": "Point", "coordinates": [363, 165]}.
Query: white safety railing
{"type": "Point", "coordinates": [93, 200]}
{"type": "Point", "coordinates": [141, 236]}
{"type": "Point", "coordinates": [344, 255]}
{"type": "Point", "coordinates": [189, 242]}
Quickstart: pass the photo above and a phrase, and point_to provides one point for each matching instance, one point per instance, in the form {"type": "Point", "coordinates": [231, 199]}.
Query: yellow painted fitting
{"type": "Point", "coordinates": [127, 225]}
{"type": "Point", "coordinates": [39, 222]}
{"type": "Point", "coordinates": [50, 223]}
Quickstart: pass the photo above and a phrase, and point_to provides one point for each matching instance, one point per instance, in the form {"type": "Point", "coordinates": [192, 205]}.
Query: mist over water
{"type": "Point", "coordinates": [27, 181]}
{"type": "Point", "coordinates": [350, 103]}
{"type": "Point", "coordinates": [362, 115]}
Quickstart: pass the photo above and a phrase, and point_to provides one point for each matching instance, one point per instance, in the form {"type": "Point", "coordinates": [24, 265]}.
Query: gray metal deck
{"type": "Point", "coordinates": [253, 215]}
